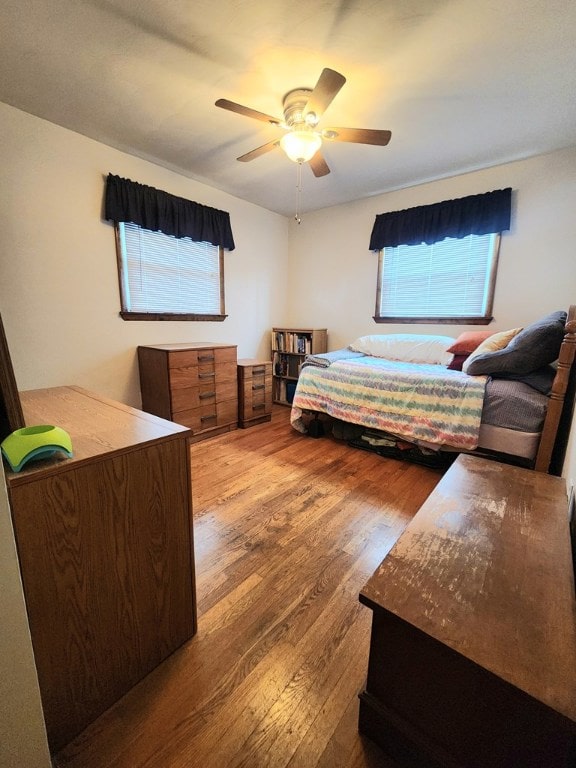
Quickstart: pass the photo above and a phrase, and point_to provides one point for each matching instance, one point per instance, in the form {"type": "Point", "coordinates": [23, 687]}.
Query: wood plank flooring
{"type": "Point", "coordinates": [287, 531]}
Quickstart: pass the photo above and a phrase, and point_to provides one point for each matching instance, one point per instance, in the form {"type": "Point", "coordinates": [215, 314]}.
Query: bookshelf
{"type": "Point", "coordinates": [289, 348]}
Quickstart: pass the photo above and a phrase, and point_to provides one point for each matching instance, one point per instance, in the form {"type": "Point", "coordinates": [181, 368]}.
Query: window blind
{"type": "Point", "coordinates": [163, 273]}
{"type": "Point", "coordinates": [449, 278]}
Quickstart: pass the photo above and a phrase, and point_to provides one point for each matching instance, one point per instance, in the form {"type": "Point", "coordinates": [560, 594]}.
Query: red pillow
{"type": "Point", "coordinates": [468, 341]}
{"type": "Point", "coordinates": [457, 362]}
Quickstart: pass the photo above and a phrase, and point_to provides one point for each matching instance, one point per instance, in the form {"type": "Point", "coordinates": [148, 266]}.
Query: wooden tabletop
{"type": "Point", "coordinates": [179, 346]}
{"type": "Point", "coordinates": [485, 567]}
{"type": "Point", "coordinates": [97, 426]}
{"type": "Point", "coordinates": [250, 361]}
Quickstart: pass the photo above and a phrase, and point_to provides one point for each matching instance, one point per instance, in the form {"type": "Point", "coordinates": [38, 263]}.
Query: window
{"type": "Point", "coordinates": [451, 280]}
{"type": "Point", "coordinates": [164, 277]}
{"type": "Point", "coordinates": [170, 253]}
{"type": "Point", "coordinates": [437, 263]}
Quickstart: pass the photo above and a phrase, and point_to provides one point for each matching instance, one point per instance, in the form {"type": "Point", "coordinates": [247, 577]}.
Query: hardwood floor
{"type": "Point", "coordinates": [287, 531]}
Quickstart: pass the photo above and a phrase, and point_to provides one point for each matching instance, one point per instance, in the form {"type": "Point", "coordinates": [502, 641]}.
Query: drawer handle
{"type": "Point", "coordinates": [256, 371]}
{"type": "Point", "coordinates": [258, 407]}
{"type": "Point", "coordinates": [205, 358]}
{"type": "Point", "coordinates": [258, 386]}
{"type": "Point", "coordinates": [208, 418]}
{"type": "Point", "coordinates": [207, 375]}
{"type": "Point", "coordinates": [206, 395]}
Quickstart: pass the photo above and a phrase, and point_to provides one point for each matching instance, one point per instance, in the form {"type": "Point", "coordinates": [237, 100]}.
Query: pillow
{"type": "Point", "coordinates": [468, 341]}
{"type": "Point", "coordinates": [534, 347]}
{"type": "Point", "coordinates": [493, 343]}
{"type": "Point", "coordinates": [457, 362]}
{"type": "Point", "coordinates": [407, 347]}
{"type": "Point", "coordinates": [540, 380]}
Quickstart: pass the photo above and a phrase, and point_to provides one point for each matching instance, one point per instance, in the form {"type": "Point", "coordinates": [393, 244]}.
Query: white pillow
{"type": "Point", "coordinates": [407, 347]}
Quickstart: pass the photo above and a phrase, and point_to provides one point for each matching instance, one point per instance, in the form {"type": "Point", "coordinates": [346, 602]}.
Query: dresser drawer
{"type": "Point", "coordinates": [187, 367]}
{"type": "Point", "coordinates": [182, 377]}
{"type": "Point", "coordinates": [193, 397]}
{"type": "Point", "coordinates": [206, 393]}
{"type": "Point", "coordinates": [255, 371]}
{"type": "Point", "coordinates": [227, 412]}
{"type": "Point", "coordinates": [198, 419]}
{"type": "Point", "coordinates": [208, 415]}
{"type": "Point", "coordinates": [183, 358]}
{"type": "Point", "coordinates": [227, 390]}
{"type": "Point", "coordinates": [257, 393]}
{"type": "Point", "coordinates": [227, 371]}
{"type": "Point", "coordinates": [216, 356]}
{"type": "Point", "coordinates": [257, 407]}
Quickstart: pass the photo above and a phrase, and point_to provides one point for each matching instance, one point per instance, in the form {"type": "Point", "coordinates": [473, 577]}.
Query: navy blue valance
{"type": "Point", "coordinates": [473, 215]}
{"type": "Point", "coordinates": [160, 211]}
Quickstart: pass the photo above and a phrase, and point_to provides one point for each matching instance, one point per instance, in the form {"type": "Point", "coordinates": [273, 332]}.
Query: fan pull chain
{"type": "Point", "coordinates": [298, 193]}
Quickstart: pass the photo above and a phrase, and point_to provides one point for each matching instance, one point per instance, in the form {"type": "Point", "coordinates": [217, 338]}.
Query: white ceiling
{"type": "Point", "coordinates": [461, 84]}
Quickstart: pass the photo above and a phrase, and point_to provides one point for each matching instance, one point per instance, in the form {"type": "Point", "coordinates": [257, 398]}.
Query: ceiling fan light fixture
{"type": "Point", "coordinates": [303, 110]}
{"type": "Point", "coordinates": [301, 146]}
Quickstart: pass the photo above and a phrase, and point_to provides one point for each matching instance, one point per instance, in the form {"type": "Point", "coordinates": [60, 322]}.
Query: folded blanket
{"type": "Point", "coordinates": [327, 358]}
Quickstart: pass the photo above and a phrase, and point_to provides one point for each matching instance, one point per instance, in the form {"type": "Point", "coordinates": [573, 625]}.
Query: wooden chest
{"type": "Point", "coordinates": [474, 630]}
{"type": "Point", "coordinates": [192, 384]}
{"type": "Point", "coordinates": [254, 391]}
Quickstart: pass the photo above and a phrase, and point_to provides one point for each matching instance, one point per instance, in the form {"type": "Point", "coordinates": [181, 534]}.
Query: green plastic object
{"type": "Point", "coordinates": [38, 442]}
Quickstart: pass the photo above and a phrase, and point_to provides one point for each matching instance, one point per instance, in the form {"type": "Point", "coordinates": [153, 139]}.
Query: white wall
{"type": "Point", "coordinates": [333, 274]}
{"type": "Point", "coordinates": [59, 294]}
{"type": "Point", "coordinates": [22, 733]}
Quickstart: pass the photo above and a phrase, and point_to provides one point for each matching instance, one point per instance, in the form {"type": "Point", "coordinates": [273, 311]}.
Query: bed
{"type": "Point", "coordinates": [510, 397]}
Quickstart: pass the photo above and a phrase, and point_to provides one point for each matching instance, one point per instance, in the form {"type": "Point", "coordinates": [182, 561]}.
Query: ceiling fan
{"type": "Point", "coordinates": [303, 109]}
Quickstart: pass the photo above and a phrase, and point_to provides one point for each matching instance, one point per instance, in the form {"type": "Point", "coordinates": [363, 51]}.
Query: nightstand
{"type": "Point", "coordinates": [254, 392]}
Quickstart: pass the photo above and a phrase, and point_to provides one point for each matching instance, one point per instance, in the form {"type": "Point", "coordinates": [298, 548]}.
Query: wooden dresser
{"type": "Point", "coordinates": [192, 384]}
{"type": "Point", "coordinates": [106, 552]}
{"type": "Point", "coordinates": [473, 647]}
{"type": "Point", "coordinates": [254, 391]}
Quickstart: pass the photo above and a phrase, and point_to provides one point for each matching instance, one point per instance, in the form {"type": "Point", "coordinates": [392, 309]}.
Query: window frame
{"type": "Point", "coordinates": [127, 314]}
{"type": "Point", "coordinates": [459, 320]}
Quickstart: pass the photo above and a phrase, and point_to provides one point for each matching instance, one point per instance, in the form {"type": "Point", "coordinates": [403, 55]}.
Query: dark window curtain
{"type": "Point", "coordinates": [473, 215]}
{"type": "Point", "coordinates": [159, 211]}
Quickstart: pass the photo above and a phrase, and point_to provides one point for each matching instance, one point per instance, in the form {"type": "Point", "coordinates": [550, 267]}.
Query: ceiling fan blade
{"type": "Point", "coordinates": [247, 112]}
{"type": "Point", "coordinates": [358, 135]}
{"type": "Point", "coordinates": [328, 85]}
{"type": "Point", "coordinates": [319, 165]}
{"type": "Point", "coordinates": [259, 151]}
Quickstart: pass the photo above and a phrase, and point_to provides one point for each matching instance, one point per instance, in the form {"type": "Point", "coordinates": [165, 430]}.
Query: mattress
{"type": "Point", "coordinates": [513, 405]}
{"type": "Point", "coordinates": [512, 418]}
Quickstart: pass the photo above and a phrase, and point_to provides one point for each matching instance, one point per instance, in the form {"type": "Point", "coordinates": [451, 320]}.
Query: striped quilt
{"type": "Point", "coordinates": [418, 402]}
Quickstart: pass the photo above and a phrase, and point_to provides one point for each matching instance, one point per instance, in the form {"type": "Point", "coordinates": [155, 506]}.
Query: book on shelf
{"type": "Point", "coordinates": [292, 342]}
{"type": "Point", "coordinates": [280, 364]}
{"type": "Point", "coordinates": [286, 365]}
{"type": "Point", "coordinates": [293, 367]}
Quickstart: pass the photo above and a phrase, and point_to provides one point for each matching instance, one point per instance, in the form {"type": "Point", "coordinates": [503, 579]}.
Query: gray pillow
{"type": "Point", "coordinates": [535, 346]}
{"type": "Point", "coordinates": [540, 380]}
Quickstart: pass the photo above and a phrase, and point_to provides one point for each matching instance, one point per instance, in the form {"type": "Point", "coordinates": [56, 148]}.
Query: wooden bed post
{"type": "Point", "coordinates": [557, 395]}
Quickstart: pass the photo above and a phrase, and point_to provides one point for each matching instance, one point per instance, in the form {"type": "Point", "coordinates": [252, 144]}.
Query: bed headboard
{"type": "Point", "coordinates": [554, 437]}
